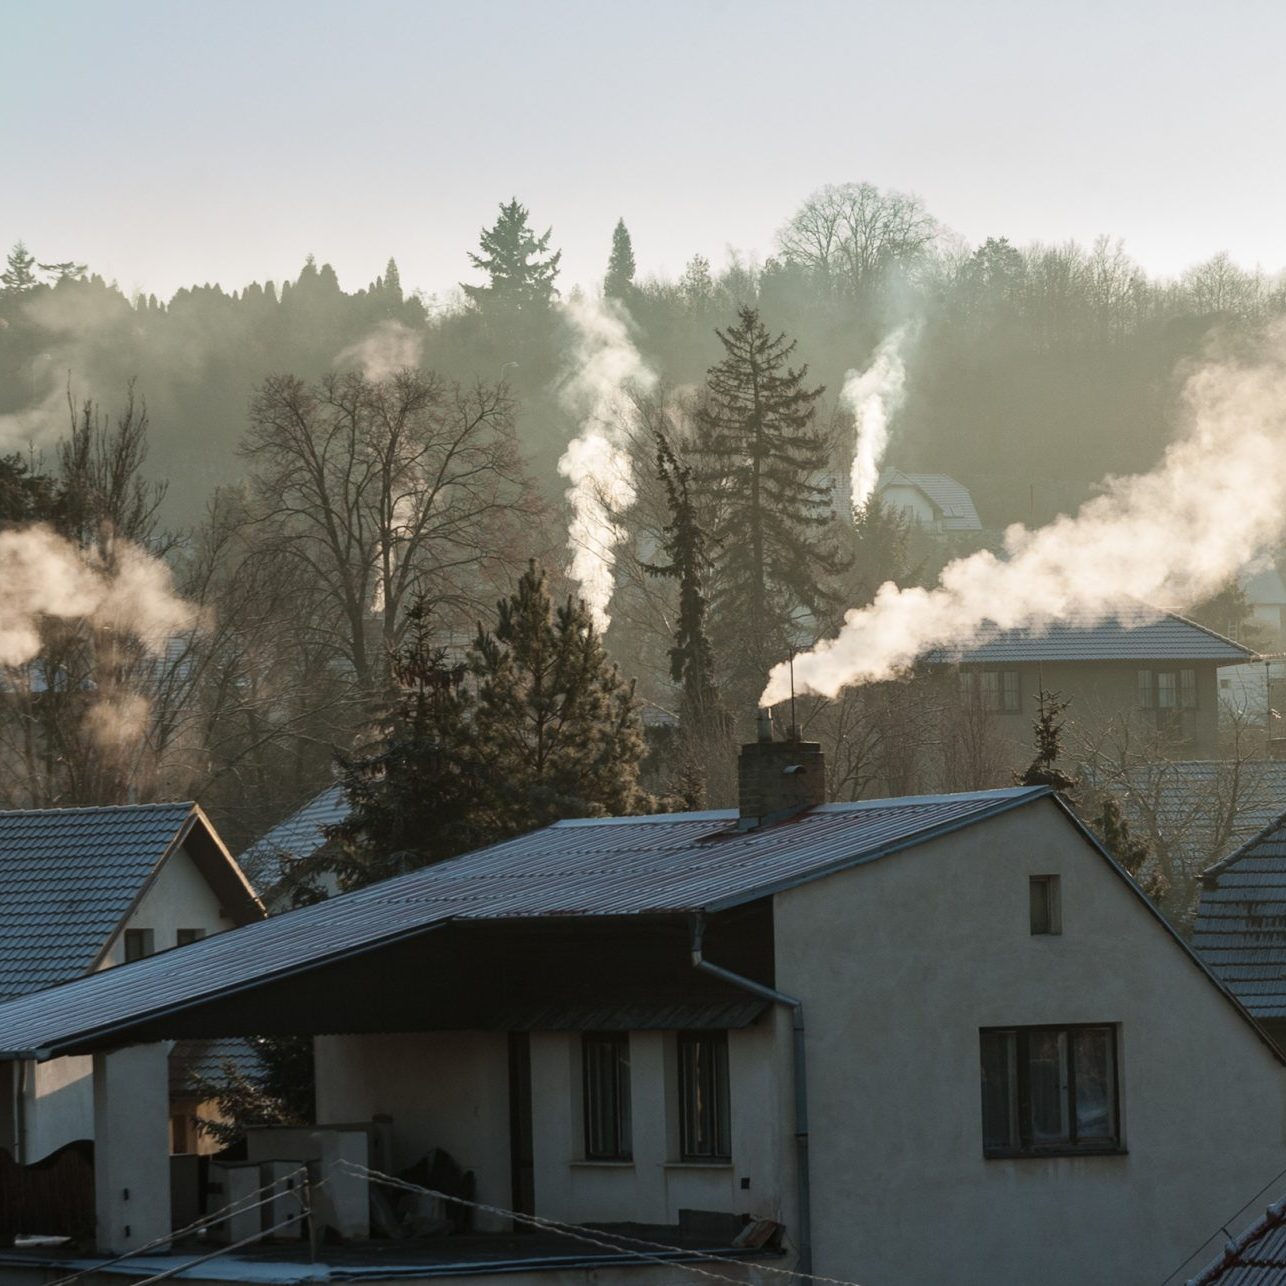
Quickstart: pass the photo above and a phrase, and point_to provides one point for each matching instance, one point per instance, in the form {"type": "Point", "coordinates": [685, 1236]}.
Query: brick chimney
{"type": "Point", "coordinates": [777, 778]}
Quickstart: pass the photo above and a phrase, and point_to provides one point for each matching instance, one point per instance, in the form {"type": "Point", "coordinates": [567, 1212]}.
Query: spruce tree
{"type": "Point", "coordinates": [684, 543]}
{"type": "Point", "coordinates": [619, 281]}
{"type": "Point", "coordinates": [762, 467]}
{"type": "Point", "coordinates": [520, 271]}
{"type": "Point", "coordinates": [556, 729]}
{"type": "Point", "coordinates": [19, 275]}
{"type": "Point", "coordinates": [1048, 732]}
{"type": "Point", "coordinates": [411, 791]}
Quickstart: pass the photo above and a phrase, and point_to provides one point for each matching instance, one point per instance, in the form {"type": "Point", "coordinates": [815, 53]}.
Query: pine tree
{"type": "Point", "coordinates": [619, 281]}
{"type": "Point", "coordinates": [520, 280]}
{"type": "Point", "coordinates": [19, 275]}
{"type": "Point", "coordinates": [556, 729]}
{"type": "Point", "coordinates": [1048, 729]}
{"type": "Point", "coordinates": [412, 793]}
{"type": "Point", "coordinates": [762, 461]}
{"type": "Point", "coordinates": [684, 543]}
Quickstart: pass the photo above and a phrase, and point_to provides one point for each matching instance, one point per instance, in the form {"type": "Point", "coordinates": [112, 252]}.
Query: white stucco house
{"type": "Point", "coordinates": [84, 889]}
{"type": "Point", "coordinates": [932, 501]}
{"type": "Point", "coordinates": [929, 1039]}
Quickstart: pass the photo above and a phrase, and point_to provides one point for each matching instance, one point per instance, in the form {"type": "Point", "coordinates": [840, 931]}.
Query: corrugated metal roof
{"type": "Point", "coordinates": [949, 498]}
{"type": "Point", "coordinates": [1256, 1258]}
{"type": "Point", "coordinates": [656, 865]}
{"type": "Point", "coordinates": [1240, 929]}
{"type": "Point", "coordinates": [299, 836]}
{"type": "Point", "coordinates": [68, 876]}
{"type": "Point", "coordinates": [1130, 633]}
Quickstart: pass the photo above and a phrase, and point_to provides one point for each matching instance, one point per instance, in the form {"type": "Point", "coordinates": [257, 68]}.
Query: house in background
{"type": "Point", "coordinates": [830, 1018]}
{"type": "Point", "coordinates": [83, 889]}
{"type": "Point", "coordinates": [1266, 593]}
{"type": "Point", "coordinates": [931, 501]}
{"type": "Point", "coordinates": [301, 837]}
{"type": "Point", "coordinates": [1156, 670]}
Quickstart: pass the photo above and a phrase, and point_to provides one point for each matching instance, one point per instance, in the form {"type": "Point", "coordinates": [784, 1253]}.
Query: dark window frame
{"type": "Point", "coordinates": [705, 1113]}
{"type": "Point", "coordinates": [605, 1096]}
{"type": "Point", "coordinates": [186, 937]}
{"type": "Point", "coordinates": [1007, 696]}
{"type": "Point", "coordinates": [138, 944]}
{"type": "Point", "coordinates": [1052, 911]}
{"type": "Point", "coordinates": [1170, 695]}
{"type": "Point", "coordinates": [1019, 1099]}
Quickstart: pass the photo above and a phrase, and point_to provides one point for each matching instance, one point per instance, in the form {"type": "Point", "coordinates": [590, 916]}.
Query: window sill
{"type": "Point", "coordinates": [1040, 1154]}
{"type": "Point", "coordinates": [696, 1165]}
{"type": "Point", "coordinates": [590, 1164]}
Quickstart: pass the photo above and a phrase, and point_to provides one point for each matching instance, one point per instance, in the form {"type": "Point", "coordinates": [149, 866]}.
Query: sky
{"type": "Point", "coordinates": [171, 143]}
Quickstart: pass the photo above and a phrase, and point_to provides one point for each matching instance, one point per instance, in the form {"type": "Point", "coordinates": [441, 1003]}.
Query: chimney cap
{"type": "Point", "coordinates": [763, 723]}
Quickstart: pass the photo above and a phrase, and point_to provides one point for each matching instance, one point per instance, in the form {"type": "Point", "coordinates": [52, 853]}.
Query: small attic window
{"type": "Point", "coordinates": [1046, 905]}
{"type": "Point", "coordinates": [138, 943]}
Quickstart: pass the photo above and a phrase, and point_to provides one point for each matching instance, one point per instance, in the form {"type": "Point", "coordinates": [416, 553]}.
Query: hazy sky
{"type": "Point", "coordinates": [177, 141]}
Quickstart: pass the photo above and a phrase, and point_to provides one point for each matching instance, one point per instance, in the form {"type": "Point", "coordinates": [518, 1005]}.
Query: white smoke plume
{"type": "Point", "coordinates": [389, 348]}
{"type": "Point", "coordinates": [44, 575]}
{"type": "Point", "coordinates": [1170, 537]}
{"type": "Point", "coordinates": [607, 367]}
{"type": "Point", "coordinates": [874, 396]}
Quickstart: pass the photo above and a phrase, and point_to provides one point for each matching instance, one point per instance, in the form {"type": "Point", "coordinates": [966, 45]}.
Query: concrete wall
{"type": "Point", "coordinates": [59, 1100]}
{"type": "Point", "coordinates": [442, 1090]}
{"type": "Point", "coordinates": [902, 961]}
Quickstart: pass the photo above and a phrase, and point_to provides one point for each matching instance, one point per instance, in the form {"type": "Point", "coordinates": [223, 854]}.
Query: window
{"type": "Point", "coordinates": [1046, 904]}
{"type": "Point", "coordinates": [1049, 1091]}
{"type": "Point", "coordinates": [704, 1127]}
{"type": "Point", "coordinates": [605, 1062]}
{"type": "Point", "coordinates": [1170, 696]}
{"type": "Point", "coordinates": [138, 943]}
{"type": "Point", "coordinates": [997, 690]}
{"type": "Point", "coordinates": [185, 937]}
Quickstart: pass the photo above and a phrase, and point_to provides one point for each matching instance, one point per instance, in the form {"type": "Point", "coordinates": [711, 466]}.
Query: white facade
{"type": "Point", "coordinates": [900, 963]}
{"type": "Point", "coordinates": [55, 1099]}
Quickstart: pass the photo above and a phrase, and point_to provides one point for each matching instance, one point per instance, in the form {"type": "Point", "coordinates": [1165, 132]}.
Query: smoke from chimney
{"type": "Point", "coordinates": [1173, 536]}
{"type": "Point", "coordinates": [597, 463]}
{"type": "Point", "coordinates": [875, 396]}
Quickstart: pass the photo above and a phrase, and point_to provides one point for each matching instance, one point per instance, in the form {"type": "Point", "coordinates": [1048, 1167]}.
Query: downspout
{"type": "Point", "coordinates": [21, 1072]}
{"type": "Point", "coordinates": [796, 1007]}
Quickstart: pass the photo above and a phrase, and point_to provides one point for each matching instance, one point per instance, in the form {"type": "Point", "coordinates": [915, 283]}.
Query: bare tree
{"type": "Point", "coordinates": [850, 234]}
{"type": "Point", "coordinates": [380, 492]}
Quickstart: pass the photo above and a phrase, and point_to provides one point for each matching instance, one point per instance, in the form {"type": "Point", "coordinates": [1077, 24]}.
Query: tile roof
{"type": "Point", "coordinates": [949, 498]}
{"type": "Point", "coordinates": [1256, 1258]}
{"type": "Point", "coordinates": [208, 1059]}
{"type": "Point", "coordinates": [1240, 929]}
{"type": "Point", "coordinates": [299, 836]}
{"type": "Point", "coordinates": [68, 876]}
{"type": "Point", "coordinates": [1131, 633]}
{"type": "Point", "coordinates": [656, 865]}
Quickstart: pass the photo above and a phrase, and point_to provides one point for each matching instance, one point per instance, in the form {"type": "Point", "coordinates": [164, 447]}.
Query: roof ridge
{"type": "Point", "coordinates": [1219, 867]}
{"type": "Point", "coordinates": [96, 808]}
{"type": "Point", "coordinates": [1205, 629]}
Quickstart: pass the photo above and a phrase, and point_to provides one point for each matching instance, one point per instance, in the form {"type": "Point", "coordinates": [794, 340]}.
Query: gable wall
{"type": "Point", "coordinates": [899, 963]}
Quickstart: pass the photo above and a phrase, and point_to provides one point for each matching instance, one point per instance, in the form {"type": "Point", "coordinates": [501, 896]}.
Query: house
{"type": "Point", "coordinates": [1153, 673]}
{"type": "Point", "coordinates": [300, 838]}
{"type": "Point", "coordinates": [926, 1039]}
{"type": "Point", "coordinates": [81, 890]}
{"type": "Point", "coordinates": [1266, 593]}
{"type": "Point", "coordinates": [931, 501]}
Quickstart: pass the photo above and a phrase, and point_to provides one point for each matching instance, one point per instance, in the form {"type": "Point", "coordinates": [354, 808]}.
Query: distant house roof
{"type": "Point", "coordinates": [1240, 930]}
{"type": "Point", "coordinates": [193, 1061]}
{"type": "Point", "coordinates": [670, 864]}
{"type": "Point", "coordinates": [301, 835]}
{"type": "Point", "coordinates": [952, 504]}
{"type": "Point", "coordinates": [1204, 810]}
{"type": "Point", "coordinates": [1256, 1258]}
{"type": "Point", "coordinates": [1130, 633]}
{"type": "Point", "coordinates": [69, 877]}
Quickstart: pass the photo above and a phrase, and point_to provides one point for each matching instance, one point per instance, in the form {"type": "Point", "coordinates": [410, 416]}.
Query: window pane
{"type": "Point", "coordinates": [704, 1120]}
{"type": "Point", "coordinates": [1042, 919]}
{"type": "Point", "coordinates": [1095, 1084]}
{"type": "Point", "coordinates": [999, 1090]}
{"type": "Point", "coordinates": [990, 682]}
{"type": "Point", "coordinates": [1145, 689]}
{"type": "Point", "coordinates": [1188, 688]}
{"type": "Point", "coordinates": [1047, 1082]}
{"type": "Point", "coordinates": [1167, 690]}
{"type": "Point", "coordinates": [1012, 702]}
{"type": "Point", "coordinates": [606, 1089]}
